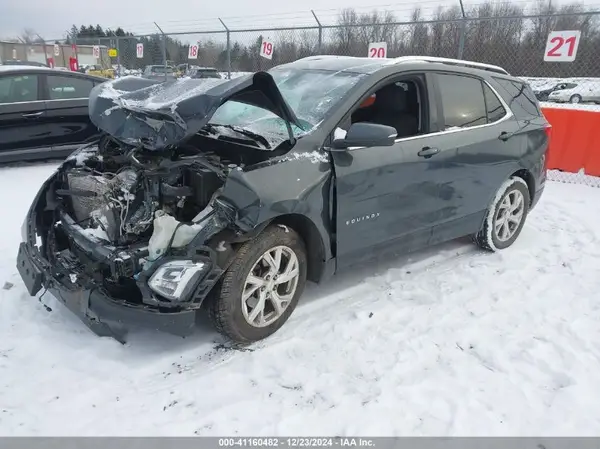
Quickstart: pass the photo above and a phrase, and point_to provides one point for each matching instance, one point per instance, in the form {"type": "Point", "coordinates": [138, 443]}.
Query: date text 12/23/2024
{"type": "Point", "coordinates": [299, 442]}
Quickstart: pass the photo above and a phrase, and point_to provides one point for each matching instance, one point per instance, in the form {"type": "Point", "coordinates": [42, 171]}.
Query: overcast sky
{"type": "Point", "coordinates": [52, 18]}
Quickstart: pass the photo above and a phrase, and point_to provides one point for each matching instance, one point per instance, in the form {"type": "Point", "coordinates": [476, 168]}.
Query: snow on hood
{"type": "Point", "coordinates": [158, 114]}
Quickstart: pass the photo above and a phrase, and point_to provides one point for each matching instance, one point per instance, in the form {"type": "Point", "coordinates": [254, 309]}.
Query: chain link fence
{"type": "Point", "coordinates": [500, 34]}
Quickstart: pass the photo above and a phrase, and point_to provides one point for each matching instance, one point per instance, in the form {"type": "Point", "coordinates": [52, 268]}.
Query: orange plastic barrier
{"type": "Point", "coordinates": [575, 140]}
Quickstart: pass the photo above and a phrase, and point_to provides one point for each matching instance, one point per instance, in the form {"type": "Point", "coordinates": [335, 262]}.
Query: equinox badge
{"type": "Point", "coordinates": [363, 218]}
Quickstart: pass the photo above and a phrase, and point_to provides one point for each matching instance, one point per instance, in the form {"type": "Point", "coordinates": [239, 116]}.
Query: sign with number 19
{"type": "Point", "coordinates": [562, 46]}
{"type": "Point", "coordinates": [266, 49]}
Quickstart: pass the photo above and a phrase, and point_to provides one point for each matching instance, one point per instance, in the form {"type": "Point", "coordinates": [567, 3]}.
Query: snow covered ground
{"type": "Point", "coordinates": [448, 341]}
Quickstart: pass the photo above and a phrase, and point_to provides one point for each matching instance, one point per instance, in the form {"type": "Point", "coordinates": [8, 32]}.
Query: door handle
{"type": "Point", "coordinates": [427, 152]}
{"type": "Point", "coordinates": [33, 114]}
{"type": "Point", "coordinates": [504, 136]}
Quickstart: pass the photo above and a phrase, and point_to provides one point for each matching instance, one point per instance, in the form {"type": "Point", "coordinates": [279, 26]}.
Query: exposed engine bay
{"type": "Point", "coordinates": [119, 209]}
{"type": "Point", "coordinates": [115, 196]}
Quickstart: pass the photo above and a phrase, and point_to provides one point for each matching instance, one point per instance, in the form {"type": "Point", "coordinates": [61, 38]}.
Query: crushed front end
{"type": "Point", "coordinates": [122, 237]}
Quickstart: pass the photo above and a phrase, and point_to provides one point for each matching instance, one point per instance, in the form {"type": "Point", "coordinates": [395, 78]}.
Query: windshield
{"type": "Point", "coordinates": [310, 93]}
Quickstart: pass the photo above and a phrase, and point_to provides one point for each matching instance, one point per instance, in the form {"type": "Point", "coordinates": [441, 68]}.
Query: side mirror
{"type": "Point", "coordinates": [365, 134]}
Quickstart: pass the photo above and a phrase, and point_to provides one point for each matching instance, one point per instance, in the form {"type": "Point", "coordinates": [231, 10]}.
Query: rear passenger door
{"type": "Point", "coordinates": [480, 148]}
{"type": "Point", "coordinates": [22, 111]}
{"type": "Point", "coordinates": [67, 116]}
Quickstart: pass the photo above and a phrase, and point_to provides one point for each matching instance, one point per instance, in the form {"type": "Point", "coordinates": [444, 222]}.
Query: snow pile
{"type": "Point", "coordinates": [447, 341]}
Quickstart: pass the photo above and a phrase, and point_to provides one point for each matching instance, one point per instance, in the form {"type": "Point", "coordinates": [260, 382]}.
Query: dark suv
{"type": "Point", "coordinates": [229, 195]}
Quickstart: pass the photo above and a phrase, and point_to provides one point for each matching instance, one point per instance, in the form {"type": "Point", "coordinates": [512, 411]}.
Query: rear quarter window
{"type": "Point", "coordinates": [520, 98]}
{"type": "Point", "coordinates": [462, 101]}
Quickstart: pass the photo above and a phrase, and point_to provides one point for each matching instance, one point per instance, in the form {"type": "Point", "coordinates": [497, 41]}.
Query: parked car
{"type": "Point", "coordinates": [204, 72]}
{"type": "Point", "coordinates": [228, 196]}
{"type": "Point", "coordinates": [43, 112]}
{"type": "Point", "coordinates": [157, 72]}
{"type": "Point", "coordinates": [103, 72]}
{"type": "Point", "coordinates": [22, 63]}
{"type": "Point", "coordinates": [543, 94]}
{"type": "Point", "coordinates": [580, 92]}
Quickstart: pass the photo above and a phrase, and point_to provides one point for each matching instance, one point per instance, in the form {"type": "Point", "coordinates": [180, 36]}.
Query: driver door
{"type": "Point", "coordinates": [390, 197]}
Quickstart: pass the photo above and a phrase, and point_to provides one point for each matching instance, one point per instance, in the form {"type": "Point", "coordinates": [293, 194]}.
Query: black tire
{"type": "Point", "coordinates": [575, 97]}
{"type": "Point", "coordinates": [225, 304]}
{"type": "Point", "coordinates": [487, 238]}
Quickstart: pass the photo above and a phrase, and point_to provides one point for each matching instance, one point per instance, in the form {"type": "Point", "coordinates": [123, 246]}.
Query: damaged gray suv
{"type": "Point", "coordinates": [228, 195]}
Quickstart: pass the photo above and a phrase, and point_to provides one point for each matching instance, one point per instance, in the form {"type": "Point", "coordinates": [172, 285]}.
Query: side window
{"type": "Point", "coordinates": [18, 88]}
{"type": "Point", "coordinates": [396, 104]}
{"type": "Point", "coordinates": [493, 106]}
{"type": "Point", "coordinates": [67, 87]}
{"type": "Point", "coordinates": [520, 99]}
{"type": "Point", "coordinates": [462, 100]}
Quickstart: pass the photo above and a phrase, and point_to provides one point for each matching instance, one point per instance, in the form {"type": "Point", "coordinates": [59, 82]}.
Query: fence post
{"type": "Point", "coordinates": [320, 31]}
{"type": "Point", "coordinates": [228, 49]}
{"type": "Point", "coordinates": [15, 52]}
{"type": "Point", "coordinates": [118, 55]}
{"type": "Point", "coordinates": [44, 45]}
{"type": "Point", "coordinates": [164, 48]}
{"type": "Point", "coordinates": [463, 31]}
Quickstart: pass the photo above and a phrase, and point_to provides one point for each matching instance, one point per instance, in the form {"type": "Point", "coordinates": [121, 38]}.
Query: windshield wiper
{"type": "Point", "coordinates": [242, 131]}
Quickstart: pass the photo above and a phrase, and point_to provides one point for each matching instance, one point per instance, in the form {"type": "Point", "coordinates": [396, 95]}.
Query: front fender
{"type": "Point", "coordinates": [298, 186]}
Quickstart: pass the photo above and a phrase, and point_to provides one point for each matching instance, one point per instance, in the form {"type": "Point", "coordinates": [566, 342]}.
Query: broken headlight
{"type": "Point", "coordinates": [174, 280]}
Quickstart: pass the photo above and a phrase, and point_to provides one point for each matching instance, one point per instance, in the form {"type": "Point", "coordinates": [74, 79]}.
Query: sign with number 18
{"type": "Point", "coordinates": [193, 52]}
{"type": "Point", "coordinates": [562, 46]}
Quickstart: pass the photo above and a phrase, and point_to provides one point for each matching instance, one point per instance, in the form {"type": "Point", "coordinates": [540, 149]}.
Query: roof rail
{"type": "Point", "coordinates": [458, 62]}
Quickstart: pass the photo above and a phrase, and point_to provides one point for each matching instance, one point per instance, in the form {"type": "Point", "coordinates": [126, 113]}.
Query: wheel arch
{"type": "Point", "coordinates": [315, 247]}
{"type": "Point", "coordinates": [527, 176]}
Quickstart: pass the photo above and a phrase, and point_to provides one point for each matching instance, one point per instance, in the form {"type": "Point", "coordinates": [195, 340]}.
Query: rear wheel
{"type": "Point", "coordinates": [506, 216]}
{"type": "Point", "coordinates": [575, 99]}
{"type": "Point", "coordinates": [261, 289]}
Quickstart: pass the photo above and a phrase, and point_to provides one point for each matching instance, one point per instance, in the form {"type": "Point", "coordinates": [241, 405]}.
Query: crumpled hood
{"type": "Point", "coordinates": [157, 114]}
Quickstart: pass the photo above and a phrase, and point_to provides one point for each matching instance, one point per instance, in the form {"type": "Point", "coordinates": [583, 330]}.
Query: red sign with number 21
{"type": "Point", "coordinates": [266, 49]}
{"type": "Point", "coordinates": [562, 46]}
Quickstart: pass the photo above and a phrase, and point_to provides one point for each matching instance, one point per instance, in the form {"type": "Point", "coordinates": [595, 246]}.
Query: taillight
{"type": "Point", "coordinates": [548, 129]}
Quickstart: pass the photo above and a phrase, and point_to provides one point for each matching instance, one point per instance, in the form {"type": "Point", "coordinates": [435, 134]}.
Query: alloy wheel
{"type": "Point", "coordinates": [509, 215]}
{"type": "Point", "coordinates": [270, 286]}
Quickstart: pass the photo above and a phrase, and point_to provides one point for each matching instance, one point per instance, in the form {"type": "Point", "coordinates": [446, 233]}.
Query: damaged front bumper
{"type": "Point", "coordinates": [103, 315]}
{"type": "Point", "coordinates": [86, 295]}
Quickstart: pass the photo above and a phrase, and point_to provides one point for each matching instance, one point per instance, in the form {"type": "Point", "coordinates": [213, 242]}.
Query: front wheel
{"type": "Point", "coordinates": [261, 289]}
{"type": "Point", "coordinates": [506, 216]}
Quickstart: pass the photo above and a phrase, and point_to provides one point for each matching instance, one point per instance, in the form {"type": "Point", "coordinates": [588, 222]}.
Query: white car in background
{"type": "Point", "coordinates": [577, 92]}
